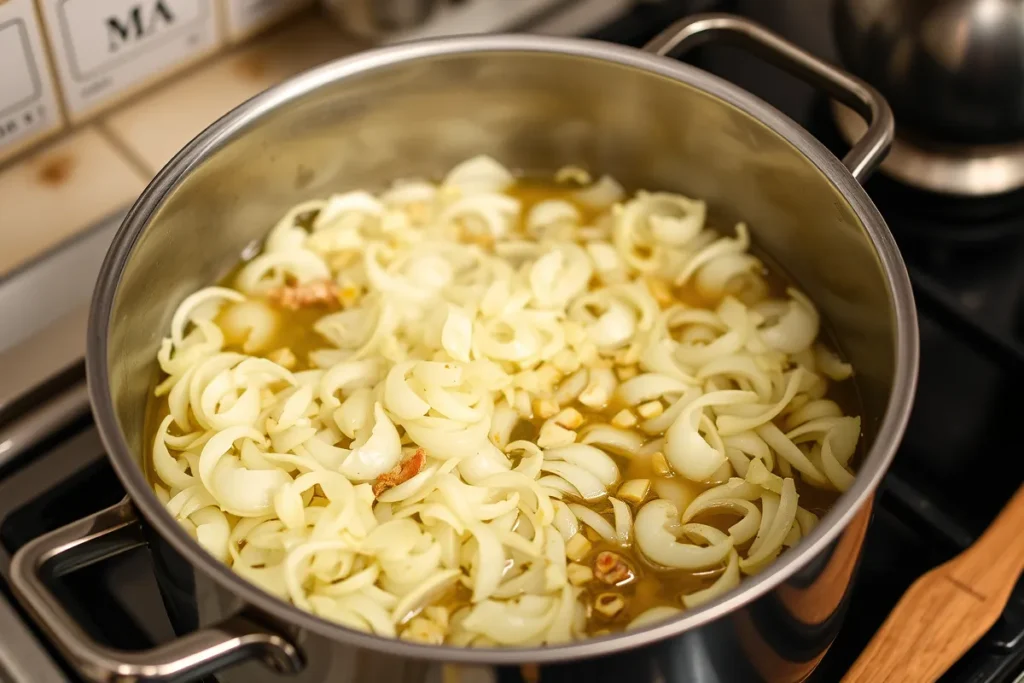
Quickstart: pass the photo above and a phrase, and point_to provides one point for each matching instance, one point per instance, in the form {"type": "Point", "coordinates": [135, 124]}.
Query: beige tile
{"type": "Point", "coordinates": [158, 125]}
{"type": "Point", "coordinates": [60, 190]}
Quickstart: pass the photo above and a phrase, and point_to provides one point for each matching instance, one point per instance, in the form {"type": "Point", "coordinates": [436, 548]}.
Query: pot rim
{"type": "Point", "coordinates": [249, 113]}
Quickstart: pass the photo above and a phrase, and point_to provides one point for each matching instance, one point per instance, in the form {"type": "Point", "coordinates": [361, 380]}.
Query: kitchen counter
{"type": "Point", "coordinates": [62, 189]}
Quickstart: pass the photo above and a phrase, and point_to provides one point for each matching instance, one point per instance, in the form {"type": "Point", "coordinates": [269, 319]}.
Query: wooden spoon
{"type": "Point", "coordinates": [948, 609]}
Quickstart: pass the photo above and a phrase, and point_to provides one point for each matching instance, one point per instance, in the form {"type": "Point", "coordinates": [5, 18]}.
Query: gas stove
{"type": "Point", "coordinates": [956, 467]}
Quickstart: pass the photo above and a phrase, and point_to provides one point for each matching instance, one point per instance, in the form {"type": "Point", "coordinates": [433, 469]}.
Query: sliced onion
{"type": "Point", "coordinates": [595, 521]}
{"type": "Point", "coordinates": [687, 451]}
{"type": "Point", "coordinates": [660, 546]}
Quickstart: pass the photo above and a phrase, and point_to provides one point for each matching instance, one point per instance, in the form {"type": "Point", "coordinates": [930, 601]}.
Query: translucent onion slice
{"type": "Point", "coordinates": [592, 459]}
{"type": "Point", "coordinates": [729, 424]}
{"type": "Point", "coordinates": [188, 309]}
{"type": "Point", "coordinates": [623, 521]}
{"type": "Point", "coordinates": [512, 622]}
{"type": "Point", "coordinates": [789, 453]}
{"type": "Point", "coordinates": [565, 521]}
{"type": "Point", "coordinates": [489, 564]}
{"type": "Point", "coordinates": [377, 450]}
{"type": "Point", "coordinates": [170, 470]}
{"type": "Point", "coordinates": [687, 451]}
{"type": "Point", "coordinates": [796, 329]}
{"type": "Point", "coordinates": [660, 546]}
{"type": "Point", "coordinates": [600, 195]}
{"type": "Point", "coordinates": [478, 174]}
{"type": "Point", "coordinates": [246, 493]}
{"type": "Point", "coordinates": [653, 615]}
{"type": "Point", "coordinates": [740, 532]}
{"type": "Point", "coordinates": [725, 246]}
{"type": "Point", "coordinates": [773, 537]}
{"type": "Point", "coordinates": [269, 270]}
{"type": "Point", "coordinates": [649, 386]}
{"type": "Point", "coordinates": [251, 324]}
{"type": "Point", "coordinates": [619, 441]}
{"type": "Point", "coordinates": [729, 579]}
{"type": "Point", "coordinates": [585, 484]}
{"type": "Point", "coordinates": [595, 521]}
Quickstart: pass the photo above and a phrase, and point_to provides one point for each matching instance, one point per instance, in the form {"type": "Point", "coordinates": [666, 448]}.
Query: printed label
{"type": "Point", "coordinates": [105, 47]}
{"type": "Point", "coordinates": [28, 101]}
{"type": "Point", "coordinates": [244, 17]}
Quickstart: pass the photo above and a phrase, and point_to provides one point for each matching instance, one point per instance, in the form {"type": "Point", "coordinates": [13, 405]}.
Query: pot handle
{"type": "Point", "coordinates": [868, 152]}
{"type": "Point", "coordinates": [104, 534]}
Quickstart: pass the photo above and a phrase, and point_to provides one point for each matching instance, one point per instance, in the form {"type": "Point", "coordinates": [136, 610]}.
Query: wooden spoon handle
{"type": "Point", "coordinates": [948, 609]}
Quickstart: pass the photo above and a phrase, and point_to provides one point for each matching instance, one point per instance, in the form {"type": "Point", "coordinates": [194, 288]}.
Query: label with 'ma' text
{"type": "Point", "coordinates": [105, 48]}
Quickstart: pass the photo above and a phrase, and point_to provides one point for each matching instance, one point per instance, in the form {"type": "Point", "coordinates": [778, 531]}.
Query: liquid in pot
{"type": "Point", "coordinates": [612, 580]}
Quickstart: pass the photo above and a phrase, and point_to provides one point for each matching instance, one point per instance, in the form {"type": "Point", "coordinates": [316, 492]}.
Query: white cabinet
{"type": "Point", "coordinates": [29, 109]}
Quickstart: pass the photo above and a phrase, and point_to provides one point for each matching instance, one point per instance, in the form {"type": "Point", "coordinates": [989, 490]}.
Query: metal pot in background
{"type": "Point", "coordinates": [373, 19]}
{"type": "Point", "coordinates": [392, 21]}
{"type": "Point", "coordinates": [953, 72]}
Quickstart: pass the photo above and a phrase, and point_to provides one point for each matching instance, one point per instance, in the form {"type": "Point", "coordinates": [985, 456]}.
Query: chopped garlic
{"type": "Point", "coordinates": [579, 574]}
{"type": "Point", "coordinates": [570, 418]}
{"type": "Point", "coordinates": [628, 356]}
{"type": "Point", "coordinates": [548, 376]}
{"type": "Point", "coordinates": [651, 409]}
{"type": "Point", "coordinates": [588, 355]}
{"type": "Point", "coordinates": [660, 464]}
{"type": "Point", "coordinates": [626, 372]}
{"type": "Point", "coordinates": [522, 405]}
{"type": "Point", "coordinates": [599, 389]}
{"type": "Point", "coordinates": [566, 361]}
{"type": "Point", "coordinates": [634, 490]}
{"type": "Point", "coordinates": [624, 419]}
{"type": "Point", "coordinates": [577, 547]}
{"type": "Point", "coordinates": [554, 436]}
{"type": "Point", "coordinates": [544, 407]}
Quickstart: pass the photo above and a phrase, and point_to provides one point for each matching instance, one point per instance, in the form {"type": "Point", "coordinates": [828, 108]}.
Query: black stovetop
{"type": "Point", "coordinates": [956, 467]}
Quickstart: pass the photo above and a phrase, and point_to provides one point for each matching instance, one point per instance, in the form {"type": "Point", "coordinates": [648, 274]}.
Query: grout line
{"type": "Point", "coordinates": [133, 158]}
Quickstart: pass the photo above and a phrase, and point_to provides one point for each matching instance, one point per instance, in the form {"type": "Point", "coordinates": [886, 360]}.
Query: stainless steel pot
{"type": "Point", "coordinates": [535, 103]}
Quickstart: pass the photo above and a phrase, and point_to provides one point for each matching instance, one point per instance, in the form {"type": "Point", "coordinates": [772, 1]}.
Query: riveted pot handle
{"type": "Point", "coordinates": [699, 29]}
{"type": "Point", "coordinates": [105, 534]}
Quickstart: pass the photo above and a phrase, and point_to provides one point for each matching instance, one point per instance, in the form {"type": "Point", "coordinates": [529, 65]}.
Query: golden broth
{"type": "Point", "coordinates": [651, 587]}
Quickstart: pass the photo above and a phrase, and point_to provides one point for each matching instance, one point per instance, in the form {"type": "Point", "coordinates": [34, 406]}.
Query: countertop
{"type": "Point", "coordinates": [93, 171]}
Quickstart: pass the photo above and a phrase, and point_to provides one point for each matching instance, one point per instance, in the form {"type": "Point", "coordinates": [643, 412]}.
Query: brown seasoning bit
{"type": "Point", "coordinates": [400, 473]}
{"type": "Point", "coordinates": [293, 297]}
{"type": "Point", "coordinates": [612, 569]}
